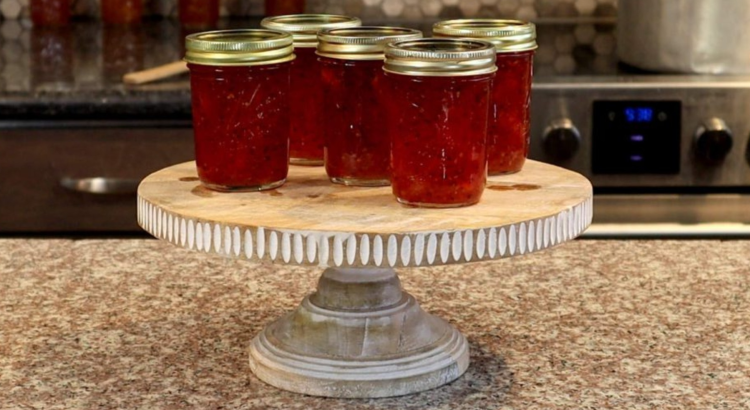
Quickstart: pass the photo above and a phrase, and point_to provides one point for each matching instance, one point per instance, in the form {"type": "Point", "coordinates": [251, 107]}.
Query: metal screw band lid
{"type": "Point", "coordinates": [305, 27]}
{"type": "Point", "coordinates": [440, 57]}
{"type": "Point", "coordinates": [361, 43]}
{"type": "Point", "coordinates": [507, 35]}
{"type": "Point", "coordinates": [239, 47]}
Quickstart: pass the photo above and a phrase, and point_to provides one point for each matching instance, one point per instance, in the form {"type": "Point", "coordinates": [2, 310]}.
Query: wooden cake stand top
{"type": "Point", "coordinates": [310, 221]}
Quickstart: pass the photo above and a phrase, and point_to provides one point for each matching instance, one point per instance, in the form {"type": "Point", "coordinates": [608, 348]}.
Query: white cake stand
{"type": "Point", "coordinates": [359, 334]}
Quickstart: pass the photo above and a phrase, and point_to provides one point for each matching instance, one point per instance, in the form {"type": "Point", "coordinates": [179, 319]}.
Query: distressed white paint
{"type": "Point", "coordinates": [323, 250]}
{"type": "Point", "coordinates": [199, 236]}
{"type": "Point", "coordinates": [418, 249]}
{"type": "Point", "coordinates": [502, 242]}
{"type": "Point", "coordinates": [286, 247]}
{"type": "Point", "coordinates": [445, 246]}
{"type": "Point", "coordinates": [377, 250]}
{"type": "Point", "coordinates": [338, 251]}
{"type": "Point", "coordinates": [236, 241]}
{"type": "Point", "coordinates": [260, 242]}
{"type": "Point", "coordinates": [364, 250]}
{"type": "Point", "coordinates": [191, 234]}
{"type": "Point", "coordinates": [273, 245]}
{"type": "Point", "coordinates": [217, 238]}
{"type": "Point", "coordinates": [468, 245]}
{"type": "Point", "coordinates": [392, 250]}
{"type": "Point", "coordinates": [350, 249]}
{"type": "Point", "coordinates": [492, 243]}
{"type": "Point", "coordinates": [531, 237]}
{"type": "Point", "coordinates": [458, 245]}
{"type": "Point", "coordinates": [299, 251]}
{"type": "Point", "coordinates": [481, 243]}
{"type": "Point", "coordinates": [405, 250]}
{"type": "Point", "coordinates": [431, 249]}
{"type": "Point", "coordinates": [312, 248]}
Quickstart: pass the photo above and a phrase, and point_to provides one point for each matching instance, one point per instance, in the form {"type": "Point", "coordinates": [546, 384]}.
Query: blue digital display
{"type": "Point", "coordinates": [639, 114]}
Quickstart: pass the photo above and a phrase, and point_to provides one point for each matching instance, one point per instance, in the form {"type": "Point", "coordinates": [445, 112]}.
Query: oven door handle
{"type": "Point", "coordinates": [101, 185]}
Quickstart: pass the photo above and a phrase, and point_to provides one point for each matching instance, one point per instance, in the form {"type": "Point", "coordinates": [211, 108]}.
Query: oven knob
{"type": "Point", "coordinates": [713, 141]}
{"type": "Point", "coordinates": [561, 139]}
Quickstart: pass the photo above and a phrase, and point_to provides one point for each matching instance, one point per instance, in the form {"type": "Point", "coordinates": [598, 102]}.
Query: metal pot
{"type": "Point", "coordinates": [686, 36]}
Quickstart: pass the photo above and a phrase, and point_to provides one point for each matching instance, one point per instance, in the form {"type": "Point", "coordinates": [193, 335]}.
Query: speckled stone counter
{"type": "Point", "coordinates": [121, 324]}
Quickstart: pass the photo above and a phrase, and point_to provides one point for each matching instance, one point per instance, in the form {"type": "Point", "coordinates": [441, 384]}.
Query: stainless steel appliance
{"type": "Point", "coordinates": [667, 152]}
{"type": "Point", "coordinates": [688, 36]}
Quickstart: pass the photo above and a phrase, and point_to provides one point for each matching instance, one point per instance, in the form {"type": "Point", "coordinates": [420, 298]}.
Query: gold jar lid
{"type": "Point", "coordinates": [305, 27]}
{"type": "Point", "coordinates": [239, 47]}
{"type": "Point", "coordinates": [508, 36]}
{"type": "Point", "coordinates": [361, 43]}
{"type": "Point", "coordinates": [440, 57]}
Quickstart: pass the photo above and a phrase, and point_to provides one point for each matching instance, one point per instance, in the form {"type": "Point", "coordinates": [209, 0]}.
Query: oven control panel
{"type": "Point", "coordinates": [645, 131]}
{"type": "Point", "coordinates": [636, 137]}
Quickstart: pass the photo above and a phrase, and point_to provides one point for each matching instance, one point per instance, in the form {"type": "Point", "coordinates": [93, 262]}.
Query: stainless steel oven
{"type": "Point", "coordinates": [667, 154]}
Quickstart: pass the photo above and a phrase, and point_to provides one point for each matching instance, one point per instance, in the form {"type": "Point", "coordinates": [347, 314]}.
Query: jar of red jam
{"type": "Point", "coordinates": [515, 42]}
{"type": "Point", "coordinates": [50, 12]}
{"type": "Point", "coordinates": [199, 13]}
{"type": "Point", "coordinates": [437, 100]}
{"type": "Point", "coordinates": [307, 89]}
{"type": "Point", "coordinates": [122, 11]}
{"type": "Point", "coordinates": [357, 149]}
{"type": "Point", "coordinates": [240, 93]}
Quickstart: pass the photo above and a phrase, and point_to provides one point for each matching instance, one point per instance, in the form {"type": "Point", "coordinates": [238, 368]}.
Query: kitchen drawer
{"type": "Point", "coordinates": [82, 176]}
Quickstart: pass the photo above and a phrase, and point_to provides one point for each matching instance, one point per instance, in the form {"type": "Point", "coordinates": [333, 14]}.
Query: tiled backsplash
{"type": "Point", "coordinates": [373, 9]}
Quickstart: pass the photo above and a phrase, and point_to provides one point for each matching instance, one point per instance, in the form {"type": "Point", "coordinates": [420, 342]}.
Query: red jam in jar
{"type": "Point", "coordinates": [122, 11]}
{"type": "Point", "coordinates": [199, 13]}
{"type": "Point", "coordinates": [306, 94]}
{"type": "Point", "coordinates": [437, 100]}
{"type": "Point", "coordinates": [357, 148]}
{"type": "Point", "coordinates": [50, 12]}
{"type": "Point", "coordinates": [240, 93]}
{"type": "Point", "coordinates": [509, 128]}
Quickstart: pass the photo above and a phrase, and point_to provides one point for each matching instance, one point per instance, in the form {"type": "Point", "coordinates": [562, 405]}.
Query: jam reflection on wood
{"type": "Point", "coordinates": [357, 145]}
{"type": "Point", "coordinates": [241, 121]}
{"type": "Point", "coordinates": [307, 118]}
{"type": "Point", "coordinates": [509, 124]}
{"type": "Point", "coordinates": [50, 12]}
{"type": "Point", "coordinates": [438, 129]}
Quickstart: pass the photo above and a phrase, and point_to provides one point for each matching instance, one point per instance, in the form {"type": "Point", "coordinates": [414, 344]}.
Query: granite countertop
{"type": "Point", "coordinates": [115, 324]}
{"type": "Point", "coordinates": [76, 72]}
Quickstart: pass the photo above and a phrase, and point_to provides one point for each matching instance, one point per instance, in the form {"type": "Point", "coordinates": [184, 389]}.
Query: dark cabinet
{"type": "Point", "coordinates": [82, 176]}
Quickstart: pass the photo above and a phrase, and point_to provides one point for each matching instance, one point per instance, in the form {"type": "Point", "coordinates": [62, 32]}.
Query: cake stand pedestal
{"type": "Point", "coordinates": [359, 334]}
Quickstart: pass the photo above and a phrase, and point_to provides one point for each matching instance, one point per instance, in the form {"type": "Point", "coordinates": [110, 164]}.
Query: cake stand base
{"type": "Point", "coordinates": [359, 336]}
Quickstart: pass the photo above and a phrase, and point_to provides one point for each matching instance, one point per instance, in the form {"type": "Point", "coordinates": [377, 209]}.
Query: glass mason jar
{"type": "Point", "coordinates": [307, 90]}
{"type": "Point", "coordinates": [515, 42]}
{"type": "Point", "coordinates": [199, 13]}
{"type": "Point", "coordinates": [50, 12]}
{"type": "Point", "coordinates": [122, 11]}
{"type": "Point", "coordinates": [357, 149]}
{"type": "Point", "coordinates": [437, 104]}
{"type": "Point", "coordinates": [240, 93]}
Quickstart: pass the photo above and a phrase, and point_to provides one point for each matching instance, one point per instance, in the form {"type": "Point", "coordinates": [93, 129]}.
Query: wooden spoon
{"type": "Point", "coordinates": [156, 73]}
